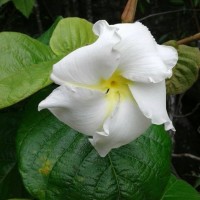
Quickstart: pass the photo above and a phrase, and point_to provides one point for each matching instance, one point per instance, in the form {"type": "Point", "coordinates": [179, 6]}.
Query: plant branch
{"type": "Point", "coordinates": [128, 14]}
{"type": "Point", "coordinates": [190, 113]}
{"type": "Point", "coordinates": [188, 155]}
{"type": "Point", "coordinates": [167, 12]}
{"type": "Point", "coordinates": [37, 14]}
{"type": "Point", "coordinates": [195, 17]}
{"type": "Point", "coordinates": [189, 39]}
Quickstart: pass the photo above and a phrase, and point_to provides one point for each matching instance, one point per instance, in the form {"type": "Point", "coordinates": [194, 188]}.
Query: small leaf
{"type": "Point", "coordinates": [3, 2]}
{"type": "Point", "coordinates": [185, 73]}
{"type": "Point", "coordinates": [45, 37]}
{"type": "Point", "coordinates": [24, 6]}
{"type": "Point", "coordinates": [58, 163]}
{"type": "Point", "coordinates": [70, 34]}
{"type": "Point", "coordinates": [179, 190]}
{"type": "Point", "coordinates": [25, 66]}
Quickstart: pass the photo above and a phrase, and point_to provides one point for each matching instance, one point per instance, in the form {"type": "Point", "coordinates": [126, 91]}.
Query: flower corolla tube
{"type": "Point", "coordinates": [113, 89]}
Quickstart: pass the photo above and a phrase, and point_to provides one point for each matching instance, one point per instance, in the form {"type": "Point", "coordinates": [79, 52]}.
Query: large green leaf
{"type": "Point", "coordinates": [58, 163]}
{"type": "Point", "coordinates": [70, 34]}
{"type": "Point", "coordinates": [24, 6]}
{"type": "Point", "coordinates": [25, 66]}
{"type": "Point", "coordinates": [185, 73]}
{"type": "Point", "coordinates": [179, 190]}
{"type": "Point", "coordinates": [10, 182]}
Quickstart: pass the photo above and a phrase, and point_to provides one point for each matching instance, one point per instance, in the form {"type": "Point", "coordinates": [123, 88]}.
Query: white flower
{"type": "Point", "coordinates": [113, 89]}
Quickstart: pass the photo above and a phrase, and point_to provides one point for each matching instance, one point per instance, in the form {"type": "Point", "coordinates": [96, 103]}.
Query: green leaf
{"type": "Point", "coordinates": [196, 2]}
{"type": "Point", "coordinates": [45, 37]}
{"type": "Point", "coordinates": [70, 34]}
{"type": "Point", "coordinates": [3, 2]}
{"type": "Point", "coordinates": [19, 199]}
{"type": "Point", "coordinates": [10, 181]}
{"type": "Point", "coordinates": [24, 6]}
{"type": "Point", "coordinates": [58, 163]}
{"type": "Point", "coordinates": [179, 190]}
{"type": "Point", "coordinates": [185, 73]}
{"type": "Point", "coordinates": [25, 65]}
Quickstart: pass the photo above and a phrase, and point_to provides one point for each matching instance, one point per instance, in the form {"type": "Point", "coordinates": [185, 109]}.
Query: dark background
{"type": "Point", "coordinates": [167, 20]}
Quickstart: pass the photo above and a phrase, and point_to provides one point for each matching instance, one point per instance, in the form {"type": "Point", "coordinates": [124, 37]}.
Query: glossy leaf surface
{"type": "Point", "coordinates": [58, 163]}
{"type": "Point", "coordinates": [179, 190]}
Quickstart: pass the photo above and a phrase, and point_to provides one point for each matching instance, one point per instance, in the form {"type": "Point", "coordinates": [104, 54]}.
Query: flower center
{"type": "Point", "coordinates": [117, 84]}
{"type": "Point", "coordinates": [113, 83]}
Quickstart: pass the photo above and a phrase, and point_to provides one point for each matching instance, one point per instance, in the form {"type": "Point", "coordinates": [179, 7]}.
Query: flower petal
{"type": "Point", "coordinates": [123, 126]}
{"type": "Point", "coordinates": [90, 64]}
{"type": "Point", "coordinates": [169, 55]}
{"type": "Point", "coordinates": [151, 98]}
{"type": "Point", "coordinates": [82, 109]}
{"type": "Point", "coordinates": [142, 59]}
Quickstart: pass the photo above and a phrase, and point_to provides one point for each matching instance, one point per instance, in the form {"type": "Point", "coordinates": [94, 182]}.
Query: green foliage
{"type": "Point", "coordinates": [24, 6]}
{"type": "Point", "coordinates": [58, 163]}
{"type": "Point", "coordinates": [45, 37]}
{"type": "Point", "coordinates": [185, 73]}
{"type": "Point", "coordinates": [3, 2]}
{"type": "Point", "coordinates": [70, 34]}
{"type": "Point", "coordinates": [10, 181]}
{"type": "Point", "coordinates": [55, 161]}
{"type": "Point", "coordinates": [25, 65]}
{"type": "Point", "coordinates": [179, 190]}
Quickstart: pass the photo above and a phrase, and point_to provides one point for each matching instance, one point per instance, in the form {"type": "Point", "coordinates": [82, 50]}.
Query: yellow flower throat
{"type": "Point", "coordinates": [117, 85]}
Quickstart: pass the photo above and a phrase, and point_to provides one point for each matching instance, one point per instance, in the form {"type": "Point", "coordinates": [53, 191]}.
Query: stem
{"type": "Point", "coordinates": [128, 14]}
{"type": "Point", "coordinates": [195, 16]}
{"type": "Point", "coordinates": [189, 39]}
{"type": "Point", "coordinates": [188, 155]}
{"type": "Point", "coordinates": [37, 13]}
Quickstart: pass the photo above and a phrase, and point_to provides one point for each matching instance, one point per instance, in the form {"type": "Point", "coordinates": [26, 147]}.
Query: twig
{"type": "Point", "coordinates": [128, 14]}
{"type": "Point", "coordinates": [188, 155]}
{"type": "Point", "coordinates": [37, 14]}
{"type": "Point", "coordinates": [195, 17]}
{"type": "Point", "coordinates": [167, 12]}
{"type": "Point", "coordinates": [171, 102]}
{"type": "Point", "coordinates": [189, 39]}
{"type": "Point", "coordinates": [188, 114]}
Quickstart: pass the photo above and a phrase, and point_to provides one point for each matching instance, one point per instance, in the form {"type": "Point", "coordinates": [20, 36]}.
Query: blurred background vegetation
{"type": "Point", "coordinates": [166, 19]}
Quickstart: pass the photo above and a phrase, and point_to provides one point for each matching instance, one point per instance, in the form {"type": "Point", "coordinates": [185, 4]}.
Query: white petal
{"type": "Point", "coordinates": [169, 55]}
{"type": "Point", "coordinates": [140, 58]}
{"type": "Point", "coordinates": [82, 109]}
{"type": "Point", "coordinates": [90, 64]}
{"type": "Point", "coordinates": [151, 98]}
{"type": "Point", "coordinates": [126, 124]}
